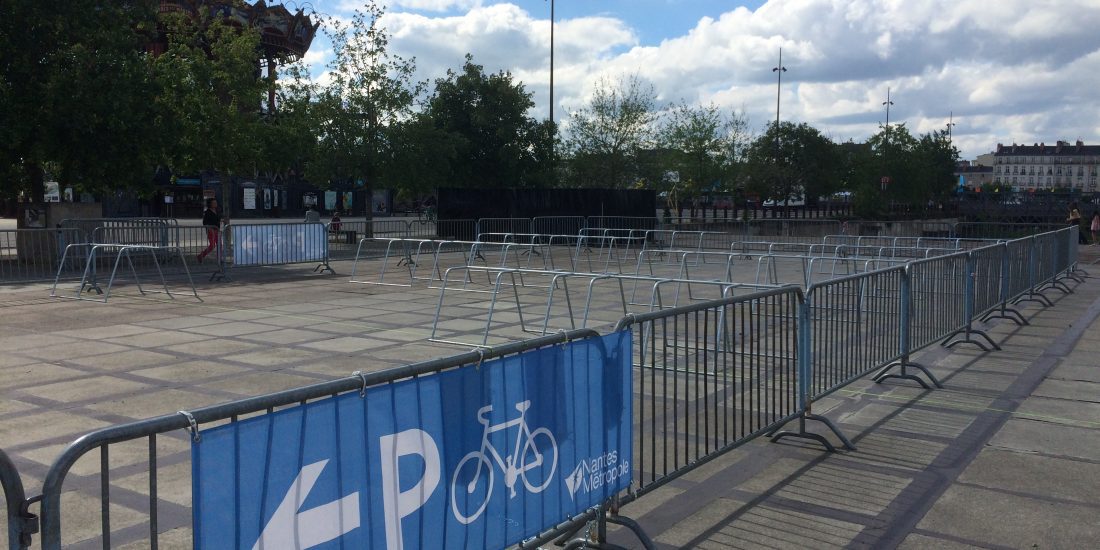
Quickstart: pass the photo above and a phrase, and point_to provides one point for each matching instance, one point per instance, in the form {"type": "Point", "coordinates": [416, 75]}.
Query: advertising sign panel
{"type": "Point", "coordinates": [483, 456]}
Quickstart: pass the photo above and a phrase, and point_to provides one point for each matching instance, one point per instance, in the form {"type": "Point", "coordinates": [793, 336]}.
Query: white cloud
{"type": "Point", "coordinates": [1015, 69]}
{"type": "Point", "coordinates": [434, 5]}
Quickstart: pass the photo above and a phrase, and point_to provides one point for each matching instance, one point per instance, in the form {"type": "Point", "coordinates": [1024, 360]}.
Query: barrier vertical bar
{"type": "Point", "coordinates": [970, 289]}
{"type": "Point", "coordinates": [905, 340]}
{"type": "Point", "coordinates": [21, 524]}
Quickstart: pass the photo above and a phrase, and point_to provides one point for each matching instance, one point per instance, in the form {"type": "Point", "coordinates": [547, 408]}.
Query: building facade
{"type": "Point", "coordinates": [1064, 165]}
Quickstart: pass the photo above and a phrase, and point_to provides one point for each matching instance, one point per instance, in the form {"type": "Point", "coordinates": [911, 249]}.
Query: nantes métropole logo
{"type": "Point", "coordinates": [593, 473]}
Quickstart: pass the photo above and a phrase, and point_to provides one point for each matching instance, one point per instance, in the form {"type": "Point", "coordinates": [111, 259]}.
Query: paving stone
{"type": "Point", "coordinates": [81, 517]}
{"type": "Point", "coordinates": [272, 356]}
{"type": "Point", "coordinates": [190, 371]}
{"type": "Point", "coordinates": [38, 373]}
{"type": "Point", "coordinates": [1039, 475]}
{"type": "Point", "coordinates": [1052, 439]}
{"type": "Point", "coordinates": [1069, 389]}
{"type": "Point", "coordinates": [155, 403]}
{"type": "Point", "coordinates": [41, 425]}
{"type": "Point", "coordinates": [259, 384]}
{"type": "Point", "coordinates": [213, 348]}
{"type": "Point", "coordinates": [1002, 519]}
{"type": "Point", "coordinates": [1088, 372]}
{"type": "Point", "coordinates": [921, 542]}
{"type": "Point", "coordinates": [235, 328]}
{"type": "Point", "coordinates": [73, 351]}
{"type": "Point", "coordinates": [88, 389]}
{"type": "Point", "coordinates": [764, 526]}
{"type": "Point", "coordinates": [347, 344]}
{"type": "Point", "coordinates": [125, 360]}
{"type": "Point", "coordinates": [158, 338]}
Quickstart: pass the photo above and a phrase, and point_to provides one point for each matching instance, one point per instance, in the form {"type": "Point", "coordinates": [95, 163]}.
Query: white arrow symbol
{"type": "Point", "coordinates": [289, 529]}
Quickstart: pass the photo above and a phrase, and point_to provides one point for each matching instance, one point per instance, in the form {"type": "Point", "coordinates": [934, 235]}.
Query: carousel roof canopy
{"type": "Point", "coordinates": [283, 35]}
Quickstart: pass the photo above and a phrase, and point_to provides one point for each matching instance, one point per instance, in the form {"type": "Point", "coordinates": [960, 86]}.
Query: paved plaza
{"type": "Point", "coordinates": [1007, 455]}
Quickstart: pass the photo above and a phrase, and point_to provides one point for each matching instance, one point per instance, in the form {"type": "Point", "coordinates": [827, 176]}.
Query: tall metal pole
{"type": "Point", "coordinates": [779, 70]}
{"type": "Point", "coordinates": [950, 125]}
{"type": "Point", "coordinates": [551, 60]}
{"type": "Point", "coordinates": [886, 148]}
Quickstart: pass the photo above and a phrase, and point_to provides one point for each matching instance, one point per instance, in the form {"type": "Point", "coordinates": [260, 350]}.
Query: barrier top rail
{"type": "Point", "coordinates": [636, 318]}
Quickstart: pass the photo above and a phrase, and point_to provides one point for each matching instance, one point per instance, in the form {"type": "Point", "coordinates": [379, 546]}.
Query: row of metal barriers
{"type": "Point", "coordinates": [36, 254]}
{"type": "Point", "coordinates": [709, 376]}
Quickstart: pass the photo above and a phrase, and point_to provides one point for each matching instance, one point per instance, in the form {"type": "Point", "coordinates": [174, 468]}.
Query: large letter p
{"type": "Point", "coordinates": [398, 503]}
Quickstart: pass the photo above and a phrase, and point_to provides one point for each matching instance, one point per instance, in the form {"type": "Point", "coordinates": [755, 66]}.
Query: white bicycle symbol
{"type": "Point", "coordinates": [528, 455]}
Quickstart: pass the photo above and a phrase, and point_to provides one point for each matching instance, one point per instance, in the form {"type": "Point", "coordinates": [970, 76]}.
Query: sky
{"type": "Point", "coordinates": [1010, 71]}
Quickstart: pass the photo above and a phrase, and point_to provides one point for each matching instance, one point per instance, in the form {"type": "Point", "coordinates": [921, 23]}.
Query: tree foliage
{"type": "Point", "coordinates": [495, 143]}
{"type": "Point", "coordinates": [607, 136]}
{"type": "Point", "coordinates": [791, 160]}
{"type": "Point", "coordinates": [75, 94]}
{"type": "Point", "coordinates": [208, 96]}
{"type": "Point", "coordinates": [370, 93]}
{"type": "Point", "coordinates": [704, 146]}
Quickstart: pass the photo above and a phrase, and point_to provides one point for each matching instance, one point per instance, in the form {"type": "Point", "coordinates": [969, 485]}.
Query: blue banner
{"type": "Point", "coordinates": [482, 456]}
{"type": "Point", "coordinates": [279, 243]}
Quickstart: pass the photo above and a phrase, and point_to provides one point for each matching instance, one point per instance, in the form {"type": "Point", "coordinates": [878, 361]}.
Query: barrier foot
{"type": "Point", "coordinates": [1007, 313]}
{"type": "Point", "coordinates": [885, 374]}
{"type": "Point", "coordinates": [803, 434]}
{"type": "Point", "coordinates": [966, 339]}
{"type": "Point", "coordinates": [1034, 297]}
{"type": "Point", "coordinates": [323, 267]}
{"type": "Point", "coordinates": [634, 527]}
{"type": "Point", "coordinates": [1056, 285]}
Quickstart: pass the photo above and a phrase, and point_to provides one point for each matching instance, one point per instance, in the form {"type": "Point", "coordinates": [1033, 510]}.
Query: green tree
{"type": "Point", "coordinates": [209, 97]}
{"type": "Point", "coordinates": [75, 95]}
{"type": "Point", "coordinates": [793, 160]}
{"type": "Point", "coordinates": [606, 136]}
{"type": "Point", "coordinates": [703, 145]}
{"type": "Point", "coordinates": [359, 112]}
{"type": "Point", "coordinates": [288, 139]}
{"type": "Point", "coordinates": [495, 143]}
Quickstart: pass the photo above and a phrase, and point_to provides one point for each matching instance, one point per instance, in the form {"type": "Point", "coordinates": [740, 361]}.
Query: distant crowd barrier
{"type": "Point", "coordinates": [280, 243]}
{"type": "Point", "coordinates": [91, 254]}
{"type": "Point", "coordinates": [28, 255]}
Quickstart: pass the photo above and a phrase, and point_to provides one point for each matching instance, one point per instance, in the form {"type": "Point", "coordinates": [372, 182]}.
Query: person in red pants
{"type": "Point", "coordinates": [212, 222]}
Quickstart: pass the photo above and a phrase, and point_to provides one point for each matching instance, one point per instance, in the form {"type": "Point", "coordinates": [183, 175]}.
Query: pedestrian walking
{"type": "Point", "coordinates": [213, 224]}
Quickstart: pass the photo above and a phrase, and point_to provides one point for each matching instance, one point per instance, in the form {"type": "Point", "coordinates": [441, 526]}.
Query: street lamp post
{"type": "Point", "coordinates": [886, 146]}
{"type": "Point", "coordinates": [551, 60]}
{"type": "Point", "coordinates": [778, 70]}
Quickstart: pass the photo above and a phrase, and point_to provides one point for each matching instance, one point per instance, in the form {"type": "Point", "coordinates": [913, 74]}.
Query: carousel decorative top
{"type": "Point", "coordinates": [283, 35]}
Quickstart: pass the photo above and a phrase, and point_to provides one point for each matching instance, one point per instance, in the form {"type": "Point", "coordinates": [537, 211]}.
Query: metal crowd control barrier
{"type": "Point", "coordinates": [21, 523]}
{"type": "Point", "coordinates": [503, 225]}
{"type": "Point", "coordinates": [35, 254]}
{"type": "Point", "coordinates": [146, 231]}
{"type": "Point", "coordinates": [710, 377]}
{"type": "Point", "coordinates": [90, 281]}
{"type": "Point", "coordinates": [146, 530]}
{"type": "Point", "coordinates": [280, 244]}
{"type": "Point", "coordinates": [559, 280]}
{"type": "Point", "coordinates": [558, 225]}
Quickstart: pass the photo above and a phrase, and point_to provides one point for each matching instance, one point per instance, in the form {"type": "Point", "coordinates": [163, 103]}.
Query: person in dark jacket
{"type": "Point", "coordinates": [212, 222]}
